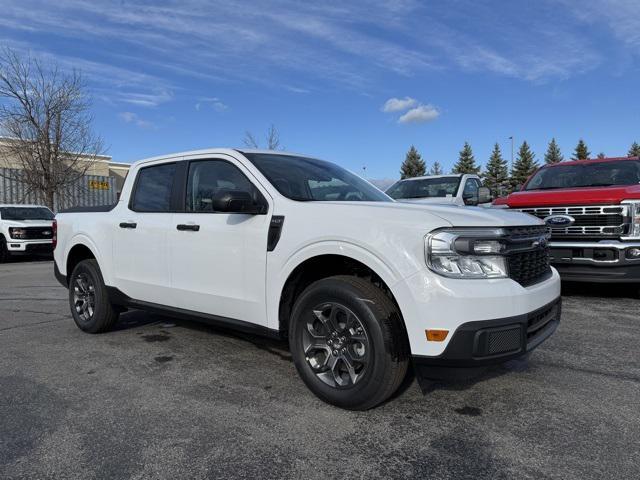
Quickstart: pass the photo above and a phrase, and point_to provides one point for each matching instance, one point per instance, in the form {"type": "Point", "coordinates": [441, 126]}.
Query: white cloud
{"type": "Point", "coordinates": [420, 114]}
{"type": "Point", "coordinates": [213, 102]}
{"type": "Point", "coordinates": [130, 117]}
{"type": "Point", "coordinates": [399, 104]}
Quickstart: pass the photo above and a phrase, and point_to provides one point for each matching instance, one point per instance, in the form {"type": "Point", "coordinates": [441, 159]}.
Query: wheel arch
{"type": "Point", "coordinates": [77, 253]}
{"type": "Point", "coordinates": [323, 265]}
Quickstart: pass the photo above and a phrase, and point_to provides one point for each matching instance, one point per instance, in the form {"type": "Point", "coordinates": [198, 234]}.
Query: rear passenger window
{"type": "Point", "coordinates": [153, 188]}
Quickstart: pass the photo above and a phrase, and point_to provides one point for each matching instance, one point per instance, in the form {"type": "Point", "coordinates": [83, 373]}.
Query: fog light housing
{"type": "Point", "coordinates": [633, 253]}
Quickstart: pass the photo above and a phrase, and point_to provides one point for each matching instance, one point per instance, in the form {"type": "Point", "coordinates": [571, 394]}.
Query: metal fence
{"type": "Point", "coordinates": [88, 191]}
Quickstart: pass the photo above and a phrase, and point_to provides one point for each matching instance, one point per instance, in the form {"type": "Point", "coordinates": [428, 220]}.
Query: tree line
{"type": "Point", "coordinates": [497, 175]}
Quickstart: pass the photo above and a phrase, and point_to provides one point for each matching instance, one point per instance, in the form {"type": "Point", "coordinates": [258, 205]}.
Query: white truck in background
{"type": "Point", "coordinates": [455, 189]}
{"type": "Point", "coordinates": [25, 230]}
{"type": "Point", "coordinates": [293, 247]}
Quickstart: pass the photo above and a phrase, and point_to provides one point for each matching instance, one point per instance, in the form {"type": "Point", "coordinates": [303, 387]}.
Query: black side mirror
{"type": "Point", "coordinates": [237, 201]}
{"type": "Point", "coordinates": [484, 195]}
{"type": "Point", "coordinates": [470, 199]}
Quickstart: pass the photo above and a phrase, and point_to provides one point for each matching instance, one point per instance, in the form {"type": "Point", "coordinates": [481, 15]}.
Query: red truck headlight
{"type": "Point", "coordinates": [634, 213]}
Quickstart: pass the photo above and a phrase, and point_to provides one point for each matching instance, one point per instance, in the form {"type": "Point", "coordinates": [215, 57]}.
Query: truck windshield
{"type": "Point", "coordinates": [25, 213]}
{"type": "Point", "coordinates": [601, 174]}
{"type": "Point", "coordinates": [425, 188]}
{"type": "Point", "coordinates": [307, 179]}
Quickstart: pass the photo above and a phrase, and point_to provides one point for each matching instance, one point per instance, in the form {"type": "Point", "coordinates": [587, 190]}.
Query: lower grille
{"type": "Point", "coordinates": [540, 322]}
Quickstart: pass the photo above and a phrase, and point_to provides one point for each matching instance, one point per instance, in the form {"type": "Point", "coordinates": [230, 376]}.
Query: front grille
{"type": "Point", "coordinates": [601, 221]}
{"type": "Point", "coordinates": [38, 233]}
{"type": "Point", "coordinates": [528, 254]}
{"type": "Point", "coordinates": [528, 268]}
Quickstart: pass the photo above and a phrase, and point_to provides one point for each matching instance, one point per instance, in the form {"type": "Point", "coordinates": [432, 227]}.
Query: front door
{"type": "Point", "coordinates": [218, 260]}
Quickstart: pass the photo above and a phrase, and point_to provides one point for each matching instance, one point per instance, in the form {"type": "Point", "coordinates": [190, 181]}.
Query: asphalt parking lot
{"type": "Point", "coordinates": [160, 398]}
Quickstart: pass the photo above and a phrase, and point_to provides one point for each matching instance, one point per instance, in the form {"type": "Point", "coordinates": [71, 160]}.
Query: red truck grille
{"type": "Point", "coordinates": [595, 221]}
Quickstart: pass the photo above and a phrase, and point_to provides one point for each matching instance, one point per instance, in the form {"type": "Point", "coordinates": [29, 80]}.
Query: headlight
{"type": "Point", "coordinates": [634, 213]}
{"type": "Point", "coordinates": [472, 253]}
{"type": "Point", "coordinates": [17, 233]}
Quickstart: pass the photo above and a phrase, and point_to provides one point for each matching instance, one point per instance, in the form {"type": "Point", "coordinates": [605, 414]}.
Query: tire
{"type": "Point", "coordinates": [89, 300]}
{"type": "Point", "coordinates": [350, 316]}
{"type": "Point", "coordinates": [4, 253]}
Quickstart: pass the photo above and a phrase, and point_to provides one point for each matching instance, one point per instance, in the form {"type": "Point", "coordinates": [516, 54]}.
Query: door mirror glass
{"type": "Point", "coordinates": [484, 195]}
{"type": "Point", "coordinates": [236, 201]}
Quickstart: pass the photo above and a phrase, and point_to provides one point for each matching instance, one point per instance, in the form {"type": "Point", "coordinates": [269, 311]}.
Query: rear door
{"type": "Point", "coordinates": [141, 251]}
{"type": "Point", "coordinates": [219, 259]}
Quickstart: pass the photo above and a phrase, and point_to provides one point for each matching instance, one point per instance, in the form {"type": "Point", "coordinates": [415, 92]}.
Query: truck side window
{"type": "Point", "coordinates": [153, 188]}
{"type": "Point", "coordinates": [208, 177]}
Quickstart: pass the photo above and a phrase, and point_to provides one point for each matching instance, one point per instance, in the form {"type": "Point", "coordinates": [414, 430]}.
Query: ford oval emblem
{"type": "Point", "coordinates": [559, 221]}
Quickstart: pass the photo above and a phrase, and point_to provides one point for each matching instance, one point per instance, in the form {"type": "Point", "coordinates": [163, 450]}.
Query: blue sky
{"type": "Point", "coordinates": [168, 76]}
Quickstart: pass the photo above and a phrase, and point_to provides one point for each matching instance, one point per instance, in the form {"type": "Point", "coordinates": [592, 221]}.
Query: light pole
{"type": "Point", "coordinates": [511, 138]}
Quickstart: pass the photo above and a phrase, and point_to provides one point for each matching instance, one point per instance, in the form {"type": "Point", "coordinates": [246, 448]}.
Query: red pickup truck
{"type": "Point", "coordinates": [593, 210]}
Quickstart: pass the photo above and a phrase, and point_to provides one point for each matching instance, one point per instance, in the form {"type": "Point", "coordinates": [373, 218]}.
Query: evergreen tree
{"type": "Point", "coordinates": [581, 152]}
{"type": "Point", "coordinates": [413, 165]}
{"type": "Point", "coordinates": [553, 154]}
{"type": "Point", "coordinates": [524, 165]}
{"type": "Point", "coordinates": [466, 162]}
{"type": "Point", "coordinates": [634, 151]}
{"type": "Point", "coordinates": [601, 155]}
{"type": "Point", "coordinates": [496, 173]}
{"type": "Point", "coordinates": [436, 169]}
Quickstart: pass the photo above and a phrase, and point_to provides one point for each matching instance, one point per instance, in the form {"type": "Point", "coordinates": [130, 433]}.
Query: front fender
{"type": "Point", "coordinates": [382, 268]}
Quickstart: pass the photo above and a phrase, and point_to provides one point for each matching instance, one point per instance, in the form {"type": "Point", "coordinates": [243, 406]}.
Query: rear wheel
{"type": "Point", "coordinates": [89, 300]}
{"type": "Point", "coordinates": [348, 342]}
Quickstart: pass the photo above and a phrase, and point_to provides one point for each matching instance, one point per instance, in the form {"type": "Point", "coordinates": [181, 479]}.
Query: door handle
{"type": "Point", "coordinates": [184, 227]}
{"type": "Point", "coordinates": [128, 225]}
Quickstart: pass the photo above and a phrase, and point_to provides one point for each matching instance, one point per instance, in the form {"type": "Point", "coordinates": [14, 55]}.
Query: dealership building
{"type": "Point", "coordinates": [101, 185]}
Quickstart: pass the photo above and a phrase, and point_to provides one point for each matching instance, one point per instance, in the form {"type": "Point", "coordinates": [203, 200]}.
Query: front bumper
{"type": "Point", "coordinates": [29, 247]}
{"type": "Point", "coordinates": [605, 261]}
{"type": "Point", "coordinates": [476, 345]}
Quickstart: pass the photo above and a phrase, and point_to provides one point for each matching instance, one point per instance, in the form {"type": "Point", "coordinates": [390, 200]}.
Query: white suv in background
{"type": "Point", "coordinates": [25, 230]}
{"type": "Point", "coordinates": [294, 247]}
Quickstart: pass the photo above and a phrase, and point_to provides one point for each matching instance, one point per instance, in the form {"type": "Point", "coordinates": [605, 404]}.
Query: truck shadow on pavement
{"type": "Point", "coordinates": [280, 348]}
{"type": "Point", "coordinates": [613, 290]}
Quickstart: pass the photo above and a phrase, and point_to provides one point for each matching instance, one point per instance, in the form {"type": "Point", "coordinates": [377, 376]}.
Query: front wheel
{"type": "Point", "coordinates": [88, 298]}
{"type": "Point", "coordinates": [348, 342]}
{"type": "Point", "coordinates": [4, 252]}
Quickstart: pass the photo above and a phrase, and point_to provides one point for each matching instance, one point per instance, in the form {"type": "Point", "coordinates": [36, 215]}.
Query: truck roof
{"type": "Point", "coordinates": [214, 151]}
{"type": "Point", "coordinates": [19, 205]}
{"type": "Point", "coordinates": [452, 175]}
{"type": "Point", "coordinates": [589, 161]}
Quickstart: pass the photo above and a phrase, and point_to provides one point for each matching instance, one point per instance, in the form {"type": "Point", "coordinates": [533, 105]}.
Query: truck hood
{"type": "Point", "coordinates": [27, 223]}
{"type": "Point", "coordinates": [450, 215]}
{"type": "Point", "coordinates": [573, 196]}
{"type": "Point", "coordinates": [430, 200]}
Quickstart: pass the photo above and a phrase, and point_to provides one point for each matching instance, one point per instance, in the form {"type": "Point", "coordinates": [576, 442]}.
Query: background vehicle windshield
{"type": "Point", "coordinates": [623, 172]}
{"type": "Point", "coordinates": [308, 179]}
{"type": "Point", "coordinates": [26, 213]}
{"type": "Point", "coordinates": [425, 188]}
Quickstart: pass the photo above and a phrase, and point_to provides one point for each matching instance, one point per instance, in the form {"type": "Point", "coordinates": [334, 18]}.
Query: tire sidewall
{"type": "Point", "coordinates": [89, 268]}
{"type": "Point", "coordinates": [335, 291]}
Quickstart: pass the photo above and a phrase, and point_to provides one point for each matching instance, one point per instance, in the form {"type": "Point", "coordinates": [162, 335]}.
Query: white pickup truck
{"type": "Point", "coordinates": [455, 189]}
{"type": "Point", "coordinates": [25, 230]}
{"type": "Point", "coordinates": [293, 247]}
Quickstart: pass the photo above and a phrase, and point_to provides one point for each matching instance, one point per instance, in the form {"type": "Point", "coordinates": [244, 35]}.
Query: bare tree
{"type": "Point", "coordinates": [272, 139]}
{"type": "Point", "coordinates": [45, 115]}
